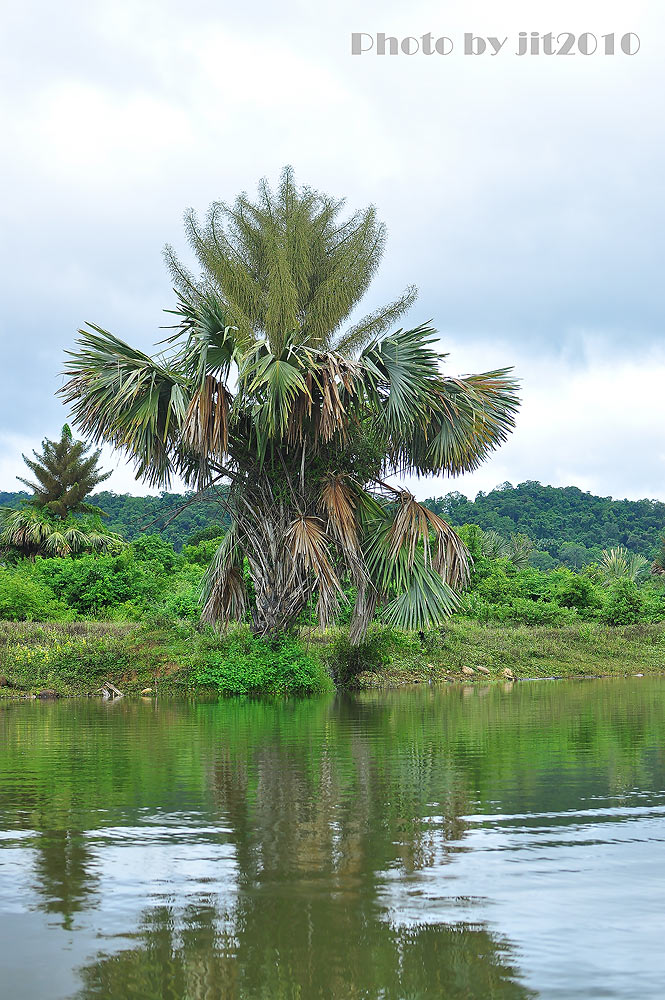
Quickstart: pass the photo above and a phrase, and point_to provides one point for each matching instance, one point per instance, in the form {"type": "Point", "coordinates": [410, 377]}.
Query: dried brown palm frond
{"type": "Point", "coordinates": [412, 526]}
{"type": "Point", "coordinates": [227, 598]}
{"type": "Point", "coordinates": [340, 507]}
{"type": "Point", "coordinates": [223, 589]}
{"type": "Point", "coordinates": [206, 426]}
{"type": "Point", "coordinates": [308, 543]}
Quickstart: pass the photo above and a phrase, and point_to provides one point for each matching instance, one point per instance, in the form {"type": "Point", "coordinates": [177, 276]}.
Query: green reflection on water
{"type": "Point", "coordinates": [321, 807]}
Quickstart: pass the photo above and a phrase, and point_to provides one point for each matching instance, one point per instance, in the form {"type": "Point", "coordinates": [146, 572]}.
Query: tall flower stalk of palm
{"type": "Point", "coordinates": [258, 389]}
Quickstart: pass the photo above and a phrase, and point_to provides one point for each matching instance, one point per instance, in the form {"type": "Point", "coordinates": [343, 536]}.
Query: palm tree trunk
{"type": "Point", "coordinates": [363, 612]}
{"type": "Point", "coordinates": [281, 592]}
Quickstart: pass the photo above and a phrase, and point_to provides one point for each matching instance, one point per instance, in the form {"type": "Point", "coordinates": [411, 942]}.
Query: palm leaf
{"type": "Point", "coordinates": [223, 592]}
{"type": "Point", "coordinates": [308, 543]}
{"type": "Point", "coordinates": [120, 395]}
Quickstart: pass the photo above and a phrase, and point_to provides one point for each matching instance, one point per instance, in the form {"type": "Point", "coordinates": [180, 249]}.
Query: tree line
{"type": "Point", "coordinates": [566, 526]}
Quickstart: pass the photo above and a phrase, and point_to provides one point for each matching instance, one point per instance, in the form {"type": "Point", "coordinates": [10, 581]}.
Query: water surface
{"type": "Point", "coordinates": [456, 842]}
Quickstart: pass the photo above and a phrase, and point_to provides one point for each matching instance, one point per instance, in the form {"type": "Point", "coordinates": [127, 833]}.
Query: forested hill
{"type": "Point", "coordinates": [565, 524]}
{"type": "Point", "coordinates": [571, 526]}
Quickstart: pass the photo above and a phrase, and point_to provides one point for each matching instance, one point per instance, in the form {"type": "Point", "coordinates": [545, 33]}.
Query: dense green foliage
{"type": "Point", "coordinates": [133, 516]}
{"type": "Point", "coordinates": [148, 580]}
{"type": "Point", "coordinates": [566, 525]}
{"type": "Point", "coordinates": [246, 664]}
{"type": "Point", "coordinates": [537, 622]}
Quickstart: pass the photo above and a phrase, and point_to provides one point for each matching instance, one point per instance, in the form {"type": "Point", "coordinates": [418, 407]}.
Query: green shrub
{"type": "Point", "coordinates": [382, 643]}
{"type": "Point", "coordinates": [624, 604]}
{"type": "Point", "coordinates": [92, 584]}
{"type": "Point", "coordinates": [203, 552]}
{"type": "Point", "coordinates": [153, 548]}
{"type": "Point", "coordinates": [24, 597]}
{"type": "Point", "coordinates": [574, 591]}
{"type": "Point", "coordinates": [245, 664]}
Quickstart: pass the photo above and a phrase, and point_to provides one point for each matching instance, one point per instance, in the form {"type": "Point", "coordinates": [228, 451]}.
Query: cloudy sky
{"type": "Point", "coordinates": [523, 195]}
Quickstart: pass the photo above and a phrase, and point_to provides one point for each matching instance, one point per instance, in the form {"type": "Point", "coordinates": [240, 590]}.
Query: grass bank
{"type": "Point", "coordinates": [467, 650]}
{"type": "Point", "coordinates": [76, 658]}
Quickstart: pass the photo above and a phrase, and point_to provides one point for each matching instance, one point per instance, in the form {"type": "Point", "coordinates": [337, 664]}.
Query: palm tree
{"type": "Point", "coordinates": [65, 475]}
{"type": "Point", "coordinates": [31, 531]}
{"type": "Point", "coordinates": [258, 388]}
{"type": "Point", "coordinates": [620, 564]}
{"type": "Point", "coordinates": [493, 545]}
{"type": "Point", "coordinates": [49, 522]}
{"type": "Point", "coordinates": [517, 548]}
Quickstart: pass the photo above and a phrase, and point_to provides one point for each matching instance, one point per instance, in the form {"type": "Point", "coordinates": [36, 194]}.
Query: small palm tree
{"type": "Point", "coordinates": [50, 522]}
{"type": "Point", "coordinates": [620, 564]}
{"type": "Point", "coordinates": [493, 545]}
{"type": "Point", "coordinates": [259, 389]}
{"type": "Point", "coordinates": [520, 548]}
{"type": "Point", "coordinates": [65, 475]}
{"type": "Point", "coordinates": [517, 548]}
{"type": "Point", "coordinates": [32, 531]}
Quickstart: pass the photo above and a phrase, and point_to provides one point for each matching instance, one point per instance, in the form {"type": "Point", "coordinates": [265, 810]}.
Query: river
{"type": "Point", "coordinates": [505, 841]}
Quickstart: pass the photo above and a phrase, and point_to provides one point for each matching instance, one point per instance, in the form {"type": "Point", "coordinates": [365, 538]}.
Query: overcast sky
{"type": "Point", "coordinates": [523, 195]}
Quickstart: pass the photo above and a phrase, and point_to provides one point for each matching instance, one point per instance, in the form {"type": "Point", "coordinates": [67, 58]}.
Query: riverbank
{"type": "Point", "coordinates": [74, 659]}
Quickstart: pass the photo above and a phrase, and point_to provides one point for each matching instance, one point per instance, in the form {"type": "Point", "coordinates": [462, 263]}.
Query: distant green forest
{"type": "Point", "coordinates": [566, 525]}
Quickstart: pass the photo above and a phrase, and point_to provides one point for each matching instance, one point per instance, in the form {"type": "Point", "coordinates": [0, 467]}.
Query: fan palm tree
{"type": "Point", "coordinates": [258, 389]}
{"type": "Point", "coordinates": [620, 564]}
{"type": "Point", "coordinates": [517, 548]}
{"type": "Point", "coordinates": [33, 530]}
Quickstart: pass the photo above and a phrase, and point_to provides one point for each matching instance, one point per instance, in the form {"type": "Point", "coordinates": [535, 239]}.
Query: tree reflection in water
{"type": "Point", "coordinates": [315, 828]}
{"type": "Point", "coordinates": [324, 807]}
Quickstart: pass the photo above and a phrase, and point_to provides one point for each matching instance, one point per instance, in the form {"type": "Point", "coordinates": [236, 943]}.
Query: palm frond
{"type": "Point", "coordinates": [120, 395]}
{"type": "Point", "coordinates": [412, 526]}
{"type": "Point", "coordinates": [469, 419]}
{"type": "Point", "coordinates": [401, 372]}
{"type": "Point", "coordinates": [205, 428]}
{"type": "Point", "coordinates": [620, 564]}
{"type": "Point", "coordinates": [308, 544]}
{"type": "Point", "coordinates": [223, 593]}
{"type": "Point", "coordinates": [339, 504]}
{"type": "Point", "coordinates": [428, 600]}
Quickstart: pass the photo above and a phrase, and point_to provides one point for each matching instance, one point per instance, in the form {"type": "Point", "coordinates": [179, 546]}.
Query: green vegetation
{"type": "Point", "coordinates": [49, 522]}
{"type": "Point", "coordinates": [134, 617]}
{"type": "Point", "coordinates": [566, 525]}
{"type": "Point", "coordinates": [76, 658]}
{"type": "Point", "coordinates": [262, 388]}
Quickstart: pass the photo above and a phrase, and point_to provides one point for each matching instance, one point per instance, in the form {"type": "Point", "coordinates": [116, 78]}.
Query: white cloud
{"type": "Point", "coordinates": [589, 423]}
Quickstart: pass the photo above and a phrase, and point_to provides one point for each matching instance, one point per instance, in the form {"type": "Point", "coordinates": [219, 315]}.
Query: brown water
{"type": "Point", "coordinates": [455, 843]}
